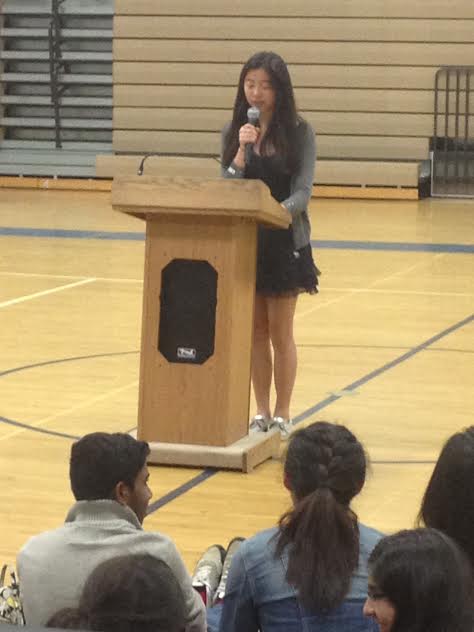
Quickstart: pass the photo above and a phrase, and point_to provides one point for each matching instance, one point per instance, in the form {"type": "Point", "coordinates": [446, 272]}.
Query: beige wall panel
{"type": "Point", "coordinates": [371, 174]}
{"type": "Point", "coordinates": [327, 171]}
{"type": "Point", "coordinates": [415, 101]}
{"type": "Point", "coordinates": [323, 122]}
{"type": "Point", "coordinates": [278, 29]}
{"type": "Point", "coordinates": [169, 118]}
{"type": "Point", "coordinates": [371, 123]}
{"type": "Point", "coordinates": [342, 8]}
{"type": "Point", "coordinates": [331, 146]}
{"type": "Point", "coordinates": [387, 53]}
{"type": "Point", "coordinates": [419, 78]}
{"type": "Point", "coordinates": [107, 166]}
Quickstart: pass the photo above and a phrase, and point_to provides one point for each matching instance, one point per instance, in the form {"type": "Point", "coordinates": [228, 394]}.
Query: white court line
{"type": "Point", "coordinates": [69, 276]}
{"type": "Point", "coordinates": [59, 288]}
{"type": "Point", "coordinates": [45, 276]}
{"type": "Point", "coordinates": [367, 289]}
{"type": "Point", "coordinates": [72, 409]}
{"type": "Point", "coordinates": [350, 293]}
{"type": "Point", "coordinates": [415, 292]}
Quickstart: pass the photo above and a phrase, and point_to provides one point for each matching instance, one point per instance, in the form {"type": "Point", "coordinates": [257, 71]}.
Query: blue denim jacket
{"type": "Point", "coordinates": [258, 597]}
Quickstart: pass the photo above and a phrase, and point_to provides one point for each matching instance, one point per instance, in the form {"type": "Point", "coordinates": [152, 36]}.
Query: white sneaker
{"type": "Point", "coordinates": [285, 426]}
{"type": "Point", "coordinates": [208, 571]}
{"type": "Point", "coordinates": [260, 423]}
{"type": "Point", "coordinates": [231, 549]}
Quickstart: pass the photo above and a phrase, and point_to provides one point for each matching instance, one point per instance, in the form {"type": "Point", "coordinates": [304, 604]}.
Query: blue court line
{"type": "Point", "coordinates": [25, 367]}
{"type": "Point", "coordinates": [398, 246]}
{"type": "Point", "coordinates": [386, 367]}
{"type": "Point", "coordinates": [209, 473]}
{"type": "Point", "coordinates": [182, 489]}
{"type": "Point", "coordinates": [19, 424]}
{"type": "Point", "coordinates": [60, 233]}
{"type": "Point", "coordinates": [318, 243]}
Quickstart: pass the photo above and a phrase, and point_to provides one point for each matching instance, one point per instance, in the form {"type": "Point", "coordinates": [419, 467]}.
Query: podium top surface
{"type": "Point", "coordinates": [148, 196]}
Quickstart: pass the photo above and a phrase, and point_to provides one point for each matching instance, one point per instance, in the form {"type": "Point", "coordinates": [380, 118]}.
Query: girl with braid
{"type": "Point", "coordinates": [310, 572]}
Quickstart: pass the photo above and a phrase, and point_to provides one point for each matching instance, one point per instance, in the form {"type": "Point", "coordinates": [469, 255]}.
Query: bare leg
{"type": "Point", "coordinates": [281, 313]}
{"type": "Point", "coordinates": [261, 357]}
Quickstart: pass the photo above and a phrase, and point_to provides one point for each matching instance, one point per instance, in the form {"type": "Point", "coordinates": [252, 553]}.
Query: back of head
{"type": "Point", "coordinates": [67, 619]}
{"type": "Point", "coordinates": [428, 580]}
{"type": "Point", "coordinates": [325, 468]}
{"type": "Point", "coordinates": [448, 503]}
{"type": "Point", "coordinates": [101, 460]}
{"type": "Point", "coordinates": [133, 593]}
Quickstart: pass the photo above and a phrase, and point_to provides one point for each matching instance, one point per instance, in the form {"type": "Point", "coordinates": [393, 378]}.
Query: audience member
{"type": "Point", "coordinates": [448, 503]}
{"type": "Point", "coordinates": [310, 572]}
{"type": "Point", "coordinates": [420, 581]}
{"type": "Point", "coordinates": [109, 480]}
{"type": "Point", "coordinates": [130, 593]}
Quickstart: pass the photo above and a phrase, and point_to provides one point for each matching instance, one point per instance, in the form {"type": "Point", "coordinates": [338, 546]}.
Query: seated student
{"type": "Point", "coordinates": [109, 479]}
{"type": "Point", "coordinates": [448, 503]}
{"type": "Point", "coordinates": [420, 581]}
{"type": "Point", "coordinates": [310, 572]}
{"type": "Point", "coordinates": [130, 593]}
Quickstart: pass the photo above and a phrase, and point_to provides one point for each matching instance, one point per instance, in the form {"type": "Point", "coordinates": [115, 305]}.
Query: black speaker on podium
{"type": "Point", "coordinates": [188, 302]}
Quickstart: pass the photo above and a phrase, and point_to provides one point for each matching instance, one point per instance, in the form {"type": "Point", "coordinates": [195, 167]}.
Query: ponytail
{"type": "Point", "coordinates": [324, 549]}
{"type": "Point", "coordinates": [325, 468]}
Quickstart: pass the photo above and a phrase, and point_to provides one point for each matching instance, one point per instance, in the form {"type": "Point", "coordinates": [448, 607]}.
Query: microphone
{"type": "Point", "coordinates": [142, 163]}
{"type": "Point", "coordinates": [253, 117]}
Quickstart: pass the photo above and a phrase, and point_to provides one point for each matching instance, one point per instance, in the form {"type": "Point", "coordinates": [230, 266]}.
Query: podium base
{"type": "Point", "coordinates": [243, 455]}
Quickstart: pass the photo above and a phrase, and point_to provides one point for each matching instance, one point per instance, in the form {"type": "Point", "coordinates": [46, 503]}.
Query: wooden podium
{"type": "Point", "coordinates": [200, 260]}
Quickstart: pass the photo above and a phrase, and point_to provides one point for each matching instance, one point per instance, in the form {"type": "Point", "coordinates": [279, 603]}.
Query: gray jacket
{"type": "Point", "coordinates": [53, 566]}
{"type": "Point", "coordinates": [301, 185]}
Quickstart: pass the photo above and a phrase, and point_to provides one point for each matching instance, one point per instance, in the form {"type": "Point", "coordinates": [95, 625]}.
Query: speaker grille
{"type": "Point", "coordinates": [188, 302]}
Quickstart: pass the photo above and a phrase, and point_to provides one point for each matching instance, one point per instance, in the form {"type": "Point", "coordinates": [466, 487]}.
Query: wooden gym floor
{"type": "Point", "coordinates": [385, 348]}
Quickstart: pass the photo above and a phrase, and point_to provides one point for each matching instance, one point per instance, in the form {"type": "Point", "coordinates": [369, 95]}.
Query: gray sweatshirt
{"type": "Point", "coordinates": [53, 566]}
{"type": "Point", "coordinates": [301, 186]}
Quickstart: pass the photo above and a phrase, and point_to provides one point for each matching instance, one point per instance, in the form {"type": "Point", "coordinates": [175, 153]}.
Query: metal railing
{"type": "Point", "coordinates": [56, 66]}
{"type": "Point", "coordinates": [452, 144]}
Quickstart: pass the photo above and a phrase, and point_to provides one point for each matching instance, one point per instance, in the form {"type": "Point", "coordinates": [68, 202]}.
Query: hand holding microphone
{"type": "Point", "coordinates": [249, 133]}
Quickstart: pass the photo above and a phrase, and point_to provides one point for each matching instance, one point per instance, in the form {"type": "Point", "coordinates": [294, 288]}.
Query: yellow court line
{"type": "Point", "coordinates": [59, 288]}
{"type": "Point", "coordinates": [351, 292]}
{"type": "Point", "coordinates": [72, 409]}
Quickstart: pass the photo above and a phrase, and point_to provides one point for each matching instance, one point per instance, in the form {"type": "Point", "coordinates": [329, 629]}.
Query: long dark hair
{"type": "Point", "coordinates": [128, 593]}
{"type": "Point", "coordinates": [427, 579]}
{"type": "Point", "coordinates": [280, 136]}
{"type": "Point", "coordinates": [325, 468]}
{"type": "Point", "coordinates": [448, 503]}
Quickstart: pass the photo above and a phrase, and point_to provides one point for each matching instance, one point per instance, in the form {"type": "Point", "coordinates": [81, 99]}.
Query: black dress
{"type": "Point", "coordinates": [281, 270]}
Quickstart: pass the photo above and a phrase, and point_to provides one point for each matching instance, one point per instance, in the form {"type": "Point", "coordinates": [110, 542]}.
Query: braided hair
{"type": "Point", "coordinates": [325, 468]}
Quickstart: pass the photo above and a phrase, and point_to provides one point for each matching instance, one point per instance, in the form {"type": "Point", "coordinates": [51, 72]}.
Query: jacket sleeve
{"type": "Point", "coordinates": [239, 611]}
{"type": "Point", "coordinates": [302, 180]}
{"type": "Point", "coordinates": [195, 609]}
{"type": "Point", "coordinates": [228, 172]}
